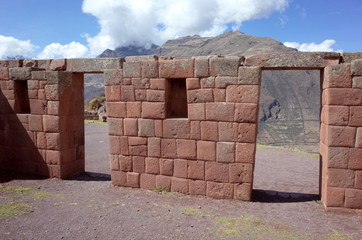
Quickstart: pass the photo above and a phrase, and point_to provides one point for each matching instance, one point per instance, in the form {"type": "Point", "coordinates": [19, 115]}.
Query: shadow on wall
{"type": "Point", "coordinates": [18, 150]}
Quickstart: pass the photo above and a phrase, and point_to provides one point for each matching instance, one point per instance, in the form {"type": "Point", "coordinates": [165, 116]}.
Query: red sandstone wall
{"type": "Point", "coordinates": [341, 136]}
{"type": "Point", "coordinates": [210, 152]}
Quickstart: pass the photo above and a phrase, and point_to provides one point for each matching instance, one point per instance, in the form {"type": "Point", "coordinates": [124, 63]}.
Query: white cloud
{"type": "Point", "coordinates": [71, 50]}
{"type": "Point", "coordinates": [325, 46]}
{"type": "Point", "coordinates": [141, 22]}
{"type": "Point", "coordinates": [11, 47]}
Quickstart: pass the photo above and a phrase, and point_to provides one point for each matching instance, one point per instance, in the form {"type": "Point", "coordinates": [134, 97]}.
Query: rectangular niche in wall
{"type": "Point", "coordinates": [176, 98]}
{"type": "Point", "coordinates": [22, 104]}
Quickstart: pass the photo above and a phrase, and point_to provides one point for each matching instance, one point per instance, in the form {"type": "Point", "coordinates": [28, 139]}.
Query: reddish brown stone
{"type": "Point", "coordinates": [220, 190]}
{"type": "Point", "coordinates": [127, 93]}
{"type": "Point", "coordinates": [113, 93]}
{"type": "Point", "coordinates": [225, 152]}
{"type": "Point", "coordinates": [163, 182]}
{"type": "Point", "coordinates": [216, 172]}
{"type": "Point", "coordinates": [149, 69]}
{"type": "Point", "coordinates": [353, 198]}
{"type": "Point", "coordinates": [228, 131]}
{"type": "Point", "coordinates": [343, 178]}
{"type": "Point", "coordinates": [154, 147]}
{"type": "Point", "coordinates": [223, 82]}
{"type": "Point", "coordinates": [158, 128]}
{"type": "Point", "coordinates": [114, 147]}
{"type": "Point", "coordinates": [335, 115]}
{"type": "Point", "coordinates": [245, 152]}
{"type": "Point", "coordinates": [220, 111]}
{"type": "Point", "coordinates": [168, 148]}
{"type": "Point", "coordinates": [335, 197]}
{"type": "Point", "coordinates": [52, 92]}
{"type": "Point", "coordinates": [35, 123]}
{"type": "Point", "coordinates": [155, 110]}
{"type": "Point", "coordinates": [357, 82]}
{"type": "Point", "coordinates": [130, 126]}
{"type": "Point", "coordinates": [147, 181]}
{"type": "Point", "coordinates": [114, 162]}
{"type": "Point", "coordinates": [242, 94]}
{"type": "Point", "coordinates": [176, 128]}
{"type": "Point", "coordinates": [208, 82]}
{"type": "Point", "coordinates": [116, 109]}
{"type": "Point", "coordinates": [358, 182]}
{"type": "Point", "coordinates": [355, 118]}
{"type": "Point", "coordinates": [177, 68]}
{"type": "Point", "coordinates": [337, 76]}
{"type": "Point", "coordinates": [196, 170]}
{"type": "Point", "coordinates": [140, 94]}
{"type": "Point", "coordinates": [138, 164]}
{"type": "Point", "coordinates": [53, 157]}
{"type": "Point", "coordinates": [219, 95]}
{"type": "Point", "coordinates": [341, 136]}
{"type": "Point", "coordinates": [196, 111]}
{"type": "Point", "coordinates": [138, 150]}
{"type": "Point", "coordinates": [201, 66]}
{"type": "Point", "coordinates": [180, 168]}
{"type": "Point", "coordinates": [53, 107]}
{"type": "Point", "coordinates": [125, 163]}
{"type": "Point", "coordinates": [4, 73]}
{"type": "Point", "coordinates": [53, 141]}
{"type": "Point", "coordinates": [200, 96]}
{"type": "Point", "coordinates": [355, 159]}
{"type": "Point", "coordinates": [247, 132]}
{"type": "Point", "coordinates": [240, 173]}
{"type": "Point", "coordinates": [136, 141]}
{"type": "Point", "coordinates": [133, 179]}
{"type": "Point", "coordinates": [123, 144]}
{"type": "Point", "coordinates": [195, 130]}
{"type": "Point", "coordinates": [337, 157]}
{"type": "Point", "coordinates": [158, 83]}
{"type": "Point", "coordinates": [119, 178]}
{"type": "Point", "coordinates": [152, 165]}
{"type": "Point", "coordinates": [343, 96]}
{"type": "Point", "coordinates": [192, 83]}
{"type": "Point", "coordinates": [38, 107]}
{"type": "Point", "coordinates": [133, 109]}
{"type": "Point", "coordinates": [41, 140]}
{"type": "Point", "coordinates": [206, 150]}
{"type": "Point", "coordinates": [243, 191]}
{"type": "Point", "coordinates": [179, 185]}
{"type": "Point", "coordinates": [246, 112]}
{"type": "Point", "coordinates": [156, 96]}
{"type": "Point", "coordinates": [166, 167]}
{"type": "Point", "coordinates": [186, 148]}
{"type": "Point", "coordinates": [209, 131]}
{"type": "Point", "coordinates": [51, 123]}
{"type": "Point", "coordinates": [359, 138]}
{"type": "Point", "coordinates": [197, 187]}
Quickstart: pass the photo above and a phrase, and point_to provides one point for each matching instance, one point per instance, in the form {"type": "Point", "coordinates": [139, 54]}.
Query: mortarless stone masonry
{"type": "Point", "coordinates": [185, 125]}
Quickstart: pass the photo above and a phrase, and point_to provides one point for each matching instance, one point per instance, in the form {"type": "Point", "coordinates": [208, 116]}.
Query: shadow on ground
{"type": "Point", "coordinates": [270, 196]}
{"type": "Point", "coordinates": [91, 176]}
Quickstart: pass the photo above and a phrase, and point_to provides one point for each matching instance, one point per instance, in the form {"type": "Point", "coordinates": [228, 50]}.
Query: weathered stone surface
{"type": "Point", "coordinates": [293, 60]}
{"type": "Point", "coordinates": [357, 82]}
{"type": "Point", "coordinates": [249, 75]}
{"type": "Point", "coordinates": [201, 66]}
{"type": "Point", "coordinates": [93, 65]}
{"type": "Point", "coordinates": [357, 67]}
{"type": "Point", "coordinates": [177, 68]}
{"type": "Point", "coordinates": [337, 76]}
{"type": "Point", "coordinates": [20, 73]}
{"type": "Point", "coordinates": [58, 65]}
{"type": "Point", "coordinates": [348, 57]}
{"type": "Point", "coordinates": [224, 66]}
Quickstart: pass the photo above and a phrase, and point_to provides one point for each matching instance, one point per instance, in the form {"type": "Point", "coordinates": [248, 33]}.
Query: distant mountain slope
{"type": "Point", "coordinates": [230, 43]}
{"type": "Point", "coordinates": [290, 100]}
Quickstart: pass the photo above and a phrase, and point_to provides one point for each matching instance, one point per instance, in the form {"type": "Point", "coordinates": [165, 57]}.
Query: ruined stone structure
{"type": "Point", "coordinates": [185, 125]}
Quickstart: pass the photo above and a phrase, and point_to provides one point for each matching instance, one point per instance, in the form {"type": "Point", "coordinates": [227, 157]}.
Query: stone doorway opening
{"type": "Point", "coordinates": [287, 161]}
{"type": "Point", "coordinates": [95, 128]}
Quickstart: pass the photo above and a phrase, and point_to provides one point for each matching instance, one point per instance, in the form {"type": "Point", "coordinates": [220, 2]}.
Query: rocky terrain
{"type": "Point", "coordinates": [290, 100]}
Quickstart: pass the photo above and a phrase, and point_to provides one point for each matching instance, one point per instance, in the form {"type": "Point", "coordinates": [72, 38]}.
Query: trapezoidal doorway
{"type": "Point", "coordinates": [287, 157]}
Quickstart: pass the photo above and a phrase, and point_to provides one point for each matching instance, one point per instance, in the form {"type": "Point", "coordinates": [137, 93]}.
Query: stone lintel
{"type": "Point", "coordinates": [93, 65]}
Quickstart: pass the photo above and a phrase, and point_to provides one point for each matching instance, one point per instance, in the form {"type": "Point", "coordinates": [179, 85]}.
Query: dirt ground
{"type": "Point", "coordinates": [285, 205]}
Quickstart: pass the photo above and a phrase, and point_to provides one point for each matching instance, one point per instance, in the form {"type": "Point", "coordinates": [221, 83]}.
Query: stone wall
{"type": "Point", "coordinates": [185, 125]}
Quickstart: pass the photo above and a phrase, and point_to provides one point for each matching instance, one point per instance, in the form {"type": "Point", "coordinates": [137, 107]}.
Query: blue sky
{"type": "Point", "coordinates": [84, 28]}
